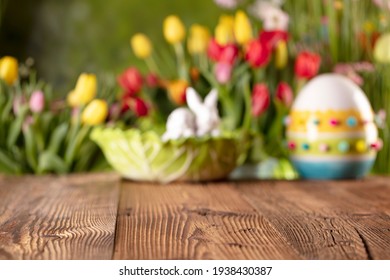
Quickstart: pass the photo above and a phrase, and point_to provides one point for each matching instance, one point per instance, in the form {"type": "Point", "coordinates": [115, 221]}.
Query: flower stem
{"type": "Point", "coordinates": [248, 105]}
{"type": "Point", "coordinates": [181, 61]}
{"type": "Point", "coordinates": [151, 64]}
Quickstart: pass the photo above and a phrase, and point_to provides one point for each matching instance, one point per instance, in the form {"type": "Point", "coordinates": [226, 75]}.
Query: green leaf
{"type": "Point", "coordinates": [16, 127]}
{"type": "Point", "coordinates": [8, 165]}
{"type": "Point", "coordinates": [57, 138]}
{"type": "Point", "coordinates": [31, 152]}
{"type": "Point", "coordinates": [49, 162]}
{"type": "Point", "coordinates": [75, 145]}
{"type": "Point", "coordinates": [5, 114]}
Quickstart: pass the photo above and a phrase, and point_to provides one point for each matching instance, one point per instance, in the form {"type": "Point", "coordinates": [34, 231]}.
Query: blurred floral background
{"type": "Point", "coordinates": [88, 35]}
{"type": "Point", "coordinates": [137, 58]}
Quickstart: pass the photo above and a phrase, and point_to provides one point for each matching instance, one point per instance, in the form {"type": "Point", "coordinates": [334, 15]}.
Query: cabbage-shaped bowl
{"type": "Point", "coordinates": [143, 156]}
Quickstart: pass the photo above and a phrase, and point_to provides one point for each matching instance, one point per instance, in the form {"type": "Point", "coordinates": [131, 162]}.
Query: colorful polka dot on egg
{"type": "Point", "coordinates": [361, 146]}
{"type": "Point", "coordinates": [352, 121]}
{"type": "Point", "coordinates": [305, 146]}
{"type": "Point", "coordinates": [343, 146]}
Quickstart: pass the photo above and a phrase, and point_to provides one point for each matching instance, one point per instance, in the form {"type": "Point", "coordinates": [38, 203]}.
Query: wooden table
{"type": "Point", "coordinates": [101, 217]}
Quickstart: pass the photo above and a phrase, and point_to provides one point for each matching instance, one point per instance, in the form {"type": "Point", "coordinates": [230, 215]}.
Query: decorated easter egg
{"type": "Point", "coordinates": [331, 131]}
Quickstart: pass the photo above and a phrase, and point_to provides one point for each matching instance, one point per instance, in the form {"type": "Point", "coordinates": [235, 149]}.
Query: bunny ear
{"type": "Point", "coordinates": [193, 99]}
{"type": "Point", "coordinates": [211, 99]}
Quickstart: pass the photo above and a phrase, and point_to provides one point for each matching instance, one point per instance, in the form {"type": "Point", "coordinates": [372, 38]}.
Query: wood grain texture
{"type": "Point", "coordinates": [95, 217]}
{"type": "Point", "coordinates": [58, 217]}
{"type": "Point", "coordinates": [188, 221]}
{"type": "Point", "coordinates": [327, 220]}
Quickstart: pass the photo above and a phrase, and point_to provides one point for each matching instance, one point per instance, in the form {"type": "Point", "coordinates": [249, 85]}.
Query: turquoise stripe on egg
{"type": "Point", "coordinates": [333, 170]}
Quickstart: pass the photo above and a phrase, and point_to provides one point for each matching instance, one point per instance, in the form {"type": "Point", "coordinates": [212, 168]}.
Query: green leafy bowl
{"type": "Point", "coordinates": [143, 156]}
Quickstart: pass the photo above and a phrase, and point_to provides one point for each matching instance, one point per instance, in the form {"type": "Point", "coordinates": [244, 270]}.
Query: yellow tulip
{"type": "Point", "coordinates": [381, 49]}
{"type": "Point", "coordinates": [85, 90]}
{"type": "Point", "coordinates": [226, 20]}
{"type": "Point", "coordinates": [9, 69]}
{"type": "Point", "coordinates": [174, 30]}
{"type": "Point", "coordinates": [72, 99]}
{"type": "Point", "coordinates": [95, 113]}
{"type": "Point", "coordinates": [141, 45]}
{"type": "Point", "coordinates": [224, 34]}
{"type": "Point", "coordinates": [281, 55]}
{"type": "Point", "coordinates": [199, 39]}
{"type": "Point", "coordinates": [242, 28]}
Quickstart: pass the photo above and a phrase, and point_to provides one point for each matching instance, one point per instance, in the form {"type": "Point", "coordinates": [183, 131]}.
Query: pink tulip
{"type": "Point", "coordinates": [18, 102]}
{"type": "Point", "coordinates": [223, 72]}
{"type": "Point", "coordinates": [37, 101]}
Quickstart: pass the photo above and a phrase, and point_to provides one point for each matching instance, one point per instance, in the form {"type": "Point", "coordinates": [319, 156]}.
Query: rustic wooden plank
{"type": "Point", "coordinates": [325, 219]}
{"type": "Point", "coordinates": [193, 221]}
{"type": "Point", "coordinates": [58, 217]}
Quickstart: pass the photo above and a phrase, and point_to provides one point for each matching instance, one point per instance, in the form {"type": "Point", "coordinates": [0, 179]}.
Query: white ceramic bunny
{"type": "Point", "coordinates": [180, 124]}
{"type": "Point", "coordinates": [200, 120]}
{"type": "Point", "coordinates": [207, 118]}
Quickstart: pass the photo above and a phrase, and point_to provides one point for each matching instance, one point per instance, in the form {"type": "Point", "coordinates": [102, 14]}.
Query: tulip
{"type": "Point", "coordinates": [284, 94]}
{"type": "Point", "coordinates": [9, 69]}
{"type": "Point", "coordinates": [95, 113]}
{"type": "Point", "coordinates": [131, 80]}
{"type": "Point", "coordinates": [174, 30]}
{"type": "Point", "coordinates": [140, 107]}
{"type": "Point", "coordinates": [223, 72]}
{"type": "Point", "coordinates": [37, 101]}
{"type": "Point", "coordinates": [307, 65]}
{"type": "Point", "coordinates": [194, 74]}
{"type": "Point", "coordinates": [214, 50]}
{"type": "Point", "coordinates": [177, 91]}
{"type": "Point", "coordinates": [271, 38]}
{"type": "Point", "coordinates": [199, 39]}
{"type": "Point", "coordinates": [257, 54]}
{"type": "Point", "coordinates": [229, 54]}
{"type": "Point", "coordinates": [224, 34]}
{"type": "Point", "coordinates": [260, 99]}
{"type": "Point", "coordinates": [242, 28]}
{"type": "Point", "coordinates": [135, 104]}
{"type": "Point", "coordinates": [381, 49]}
{"type": "Point", "coordinates": [281, 55]}
{"type": "Point", "coordinates": [114, 111]}
{"type": "Point", "coordinates": [85, 90]}
{"type": "Point", "coordinates": [141, 45]}
{"type": "Point", "coordinates": [152, 80]}
{"type": "Point", "coordinates": [226, 20]}
{"type": "Point", "coordinates": [18, 102]}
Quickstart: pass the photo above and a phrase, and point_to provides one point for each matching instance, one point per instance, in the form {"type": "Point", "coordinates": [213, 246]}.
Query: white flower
{"type": "Point", "coordinates": [228, 4]}
{"type": "Point", "coordinates": [270, 13]}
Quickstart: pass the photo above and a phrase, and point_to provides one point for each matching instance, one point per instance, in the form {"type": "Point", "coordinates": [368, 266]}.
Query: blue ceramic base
{"type": "Point", "coordinates": [333, 170]}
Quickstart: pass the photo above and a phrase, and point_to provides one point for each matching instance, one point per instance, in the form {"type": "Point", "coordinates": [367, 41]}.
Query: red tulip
{"type": "Point", "coordinates": [271, 38]}
{"type": "Point", "coordinates": [135, 104]}
{"type": "Point", "coordinates": [260, 99]}
{"type": "Point", "coordinates": [307, 65]}
{"type": "Point", "coordinates": [284, 94]}
{"type": "Point", "coordinates": [140, 107]}
{"type": "Point", "coordinates": [229, 54]}
{"type": "Point", "coordinates": [152, 80]}
{"type": "Point", "coordinates": [214, 50]}
{"type": "Point", "coordinates": [257, 54]}
{"type": "Point", "coordinates": [131, 80]}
